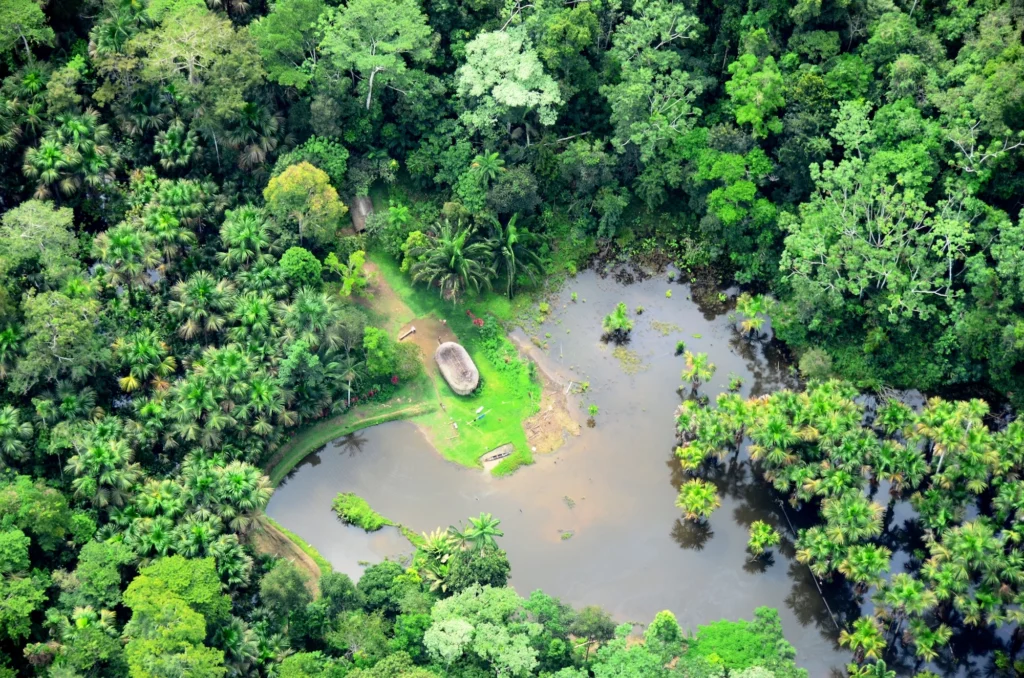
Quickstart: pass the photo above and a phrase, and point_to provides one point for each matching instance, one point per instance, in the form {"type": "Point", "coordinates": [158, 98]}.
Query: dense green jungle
{"type": "Point", "coordinates": [216, 217]}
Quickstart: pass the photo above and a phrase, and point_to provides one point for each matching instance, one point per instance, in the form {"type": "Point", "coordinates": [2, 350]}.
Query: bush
{"type": "Point", "coordinates": [354, 510]}
{"type": "Point", "coordinates": [381, 353]}
{"type": "Point", "coordinates": [483, 568]}
{"type": "Point", "coordinates": [408, 361]}
{"type": "Point", "coordinates": [301, 268]}
{"type": "Point", "coordinates": [816, 364]}
{"type": "Point", "coordinates": [741, 644]}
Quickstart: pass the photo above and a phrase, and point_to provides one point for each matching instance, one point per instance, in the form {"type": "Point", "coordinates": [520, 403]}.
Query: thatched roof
{"type": "Point", "coordinates": [362, 207]}
{"type": "Point", "coordinates": [457, 367]}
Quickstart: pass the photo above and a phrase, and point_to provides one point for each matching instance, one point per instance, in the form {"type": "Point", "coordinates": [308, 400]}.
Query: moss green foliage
{"type": "Point", "coordinates": [354, 510]}
{"type": "Point", "coordinates": [300, 267]}
{"type": "Point", "coordinates": [743, 644]}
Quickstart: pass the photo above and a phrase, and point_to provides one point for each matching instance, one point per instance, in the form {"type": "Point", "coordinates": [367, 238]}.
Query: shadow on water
{"type": "Point", "coordinates": [631, 552]}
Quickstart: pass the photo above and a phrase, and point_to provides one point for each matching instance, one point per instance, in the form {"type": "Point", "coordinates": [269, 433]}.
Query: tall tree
{"type": "Point", "coordinates": [373, 38]}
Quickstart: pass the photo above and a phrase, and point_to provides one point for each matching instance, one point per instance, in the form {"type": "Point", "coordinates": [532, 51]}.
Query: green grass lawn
{"type": "Point", "coordinates": [509, 393]}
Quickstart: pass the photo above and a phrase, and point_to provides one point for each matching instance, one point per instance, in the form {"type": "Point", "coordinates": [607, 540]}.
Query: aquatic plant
{"type": "Point", "coordinates": [617, 325]}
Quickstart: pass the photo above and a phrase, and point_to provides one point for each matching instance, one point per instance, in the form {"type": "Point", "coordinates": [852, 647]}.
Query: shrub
{"type": "Point", "coordinates": [354, 510]}
{"type": "Point", "coordinates": [816, 364]}
{"type": "Point", "coordinates": [301, 268]}
{"type": "Point", "coordinates": [381, 352]}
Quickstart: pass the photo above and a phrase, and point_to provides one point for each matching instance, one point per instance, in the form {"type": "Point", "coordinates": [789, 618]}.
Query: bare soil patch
{"type": "Point", "coordinates": [430, 333]}
{"type": "Point", "coordinates": [547, 430]}
{"type": "Point", "coordinates": [384, 299]}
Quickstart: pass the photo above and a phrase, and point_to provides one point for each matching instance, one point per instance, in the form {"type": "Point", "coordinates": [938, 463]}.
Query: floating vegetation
{"type": "Point", "coordinates": [665, 329]}
{"type": "Point", "coordinates": [629, 359]}
{"type": "Point", "coordinates": [567, 534]}
{"type": "Point", "coordinates": [569, 502]}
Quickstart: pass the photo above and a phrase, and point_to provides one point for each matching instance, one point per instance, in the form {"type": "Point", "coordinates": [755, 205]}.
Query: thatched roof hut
{"type": "Point", "coordinates": [362, 207]}
{"type": "Point", "coordinates": [457, 367]}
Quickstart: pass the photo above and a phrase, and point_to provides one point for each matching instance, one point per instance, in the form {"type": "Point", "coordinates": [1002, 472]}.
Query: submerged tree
{"type": "Point", "coordinates": [762, 537]}
{"type": "Point", "coordinates": [698, 499]}
{"type": "Point", "coordinates": [617, 325]}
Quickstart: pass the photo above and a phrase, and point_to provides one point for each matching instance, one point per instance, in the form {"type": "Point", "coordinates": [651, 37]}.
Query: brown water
{"type": "Point", "coordinates": [614, 487]}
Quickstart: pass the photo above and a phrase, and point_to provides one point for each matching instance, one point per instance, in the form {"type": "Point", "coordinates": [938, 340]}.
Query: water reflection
{"type": "Point", "coordinates": [630, 552]}
{"type": "Point", "coordinates": [692, 535]}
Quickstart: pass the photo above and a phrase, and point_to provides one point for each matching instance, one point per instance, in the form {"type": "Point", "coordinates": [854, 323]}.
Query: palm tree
{"type": "Point", "coordinates": [865, 565]}
{"type": "Point", "coordinates": [233, 564]}
{"type": "Point", "coordinates": [773, 438]}
{"type": "Point", "coordinates": [160, 497]}
{"type": "Point", "coordinates": [698, 499]}
{"type": "Point", "coordinates": [13, 434]}
{"type": "Point", "coordinates": [617, 325]}
{"type": "Point", "coordinates": [254, 318]}
{"type": "Point", "coordinates": [877, 669]}
{"type": "Point", "coordinates": [151, 536]}
{"type": "Point", "coordinates": [762, 536]}
{"type": "Point", "coordinates": [194, 535]}
{"type": "Point", "coordinates": [312, 317]}
{"type": "Point", "coordinates": [127, 254]}
{"type": "Point", "coordinates": [482, 531]}
{"type": "Point", "coordinates": [105, 473]}
{"type": "Point", "coordinates": [10, 339]}
{"type": "Point", "coordinates": [437, 544]}
{"type": "Point", "coordinates": [353, 371]}
{"type": "Point", "coordinates": [904, 596]}
{"type": "Point", "coordinates": [146, 356]}
{"type": "Point", "coordinates": [851, 518]}
{"type": "Point", "coordinates": [200, 304]}
{"type": "Point", "coordinates": [816, 550]}
{"type": "Point", "coordinates": [487, 167]}
{"type": "Point", "coordinates": [866, 639]}
{"type": "Point", "coordinates": [240, 646]}
{"type": "Point", "coordinates": [245, 236]}
{"type": "Point", "coordinates": [516, 251]}
{"type": "Point", "coordinates": [453, 261]}
{"type": "Point", "coordinates": [698, 369]}
{"type": "Point", "coordinates": [242, 492]}
{"type": "Point", "coordinates": [927, 641]}
{"type": "Point", "coordinates": [167, 233]}
{"type": "Point", "coordinates": [50, 164]}
{"type": "Point", "coordinates": [176, 146]}
{"type": "Point", "coordinates": [754, 309]}
{"type": "Point", "coordinates": [893, 416]}
{"type": "Point", "coordinates": [254, 134]}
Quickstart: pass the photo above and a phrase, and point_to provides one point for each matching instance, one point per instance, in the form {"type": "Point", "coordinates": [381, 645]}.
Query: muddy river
{"type": "Point", "coordinates": [612, 488]}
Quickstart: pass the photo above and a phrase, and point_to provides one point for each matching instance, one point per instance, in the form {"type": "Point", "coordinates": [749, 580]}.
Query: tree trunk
{"type": "Point", "coordinates": [369, 93]}
{"type": "Point", "coordinates": [28, 52]}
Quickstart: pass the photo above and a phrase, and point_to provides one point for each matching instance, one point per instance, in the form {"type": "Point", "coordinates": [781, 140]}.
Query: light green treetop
{"type": "Point", "coordinates": [374, 37]}
{"type": "Point", "coordinates": [504, 81]}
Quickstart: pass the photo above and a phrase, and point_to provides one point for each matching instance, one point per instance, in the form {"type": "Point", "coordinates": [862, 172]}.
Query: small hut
{"type": "Point", "coordinates": [457, 367]}
{"type": "Point", "coordinates": [362, 207]}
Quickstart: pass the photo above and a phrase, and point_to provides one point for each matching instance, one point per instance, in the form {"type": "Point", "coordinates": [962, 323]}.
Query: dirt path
{"type": "Point", "coordinates": [269, 540]}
